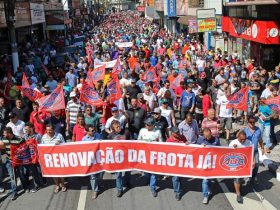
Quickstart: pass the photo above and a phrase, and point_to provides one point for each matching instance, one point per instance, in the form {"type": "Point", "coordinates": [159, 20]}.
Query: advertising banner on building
{"type": "Point", "coordinates": [265, 32]}
{"type": "Point", "coordinates": [159, 5]}
{"type": "Point", "coordinates": [192, 26]}
{"type": "Point", "coordinates": [83, 159]}
{"type": "Point", "coordinates": [37, 13]}
{"type": "Point", "coordinates": [22, 12]}
{"type": "Point", "coordinates": [206, 20]}
{"type": "Point", "coordinates": [171, 8]}
{"type": "Point", "coordinates": [181, 7]}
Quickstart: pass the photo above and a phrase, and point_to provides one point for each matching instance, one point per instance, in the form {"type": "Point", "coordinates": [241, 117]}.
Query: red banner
{"type": "Point", "coordinates": [96, 75]}
{"type": "Point", "coordinates": [114, 89]}
{"type": "Point", "coordinates": [25, 153]}
{"type": "Point", "coordinates": [82, 159]}
{"type": "Point", "coordinates": [265, 32]}
{"type": "Point", "coordinates": [274, 103]}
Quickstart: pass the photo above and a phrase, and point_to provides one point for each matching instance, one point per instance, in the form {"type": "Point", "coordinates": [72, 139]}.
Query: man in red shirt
{"type": "Point", "coordinates": [38, 119]}
{"type": "Point", "coordinates": [79, 130]}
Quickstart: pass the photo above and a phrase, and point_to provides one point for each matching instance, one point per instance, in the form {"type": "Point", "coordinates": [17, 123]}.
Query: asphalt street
{"type": "Point", "coordinates": [78, 197]}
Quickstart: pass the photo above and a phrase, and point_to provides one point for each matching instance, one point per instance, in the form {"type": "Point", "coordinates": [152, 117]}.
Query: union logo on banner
{"type": "Point", "coordinates": [239, 100]}
{"type": "Point", "coordinates": [89, 95]}
{"type": "Point", "coordinates": [114, 89]}
{"type": "Point", "coordinates": [150, 75]}
{"type": "Point", "coordinates": [233, 161]}
{"type": "Point", "coordinates": [96, 75]}
{"type": "Point", "coordinates": [52, 102]}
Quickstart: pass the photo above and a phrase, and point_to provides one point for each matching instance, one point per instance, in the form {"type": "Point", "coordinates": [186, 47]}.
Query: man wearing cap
{"type": "Point", "coordinates": [16, 125]}
{"type": "Point", "coordinates": [116, 115]}
{"type": "Point", "coordinates": [150, 134]}
{"type": "Point", "coordinates": [161, 123]}
{"type": "Point", "coordinates": [176, 137]}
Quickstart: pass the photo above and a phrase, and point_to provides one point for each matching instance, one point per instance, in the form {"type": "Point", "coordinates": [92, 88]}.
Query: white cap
{"type": "Point", "coordinates": [72, 94]}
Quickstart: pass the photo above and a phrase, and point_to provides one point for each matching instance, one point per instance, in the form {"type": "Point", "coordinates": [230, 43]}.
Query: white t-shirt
{"type": "Point", "coordinates": [266, 93]}
{"type": "Point", "coordinates": [151, 98]}
{"type": "Point", "coordinates": [146, 135]}
{"type": "Point", "coordinates": [18, 128]}
{"type": "Point", "coordinates": [224, 112]}
{"type": "Point", "coordinates": [235, 141]}
{"type": "Point", "coordinates": [120, 118]}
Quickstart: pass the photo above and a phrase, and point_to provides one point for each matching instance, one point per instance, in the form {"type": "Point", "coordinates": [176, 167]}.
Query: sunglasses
{"type": "Point", "coordinates": [252, 122]}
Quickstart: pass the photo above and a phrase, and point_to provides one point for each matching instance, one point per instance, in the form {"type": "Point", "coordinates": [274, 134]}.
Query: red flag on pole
{"type": "Point", "coordinates": [150, 75]}
{"type": "Point", "coordinates": [96, 75]}
{"type": "Point", "coordinates": [273, 103]}
{"type": "Point", "coordinates": [47, 71]}
{"type": "Point", "coordinates": [239, 100]}
{"type": "Point", "coordinates": [117, 67]}
{"type": "Point", "coordinates": [177, 81]}
{"type": "Point", "coordinates": [52, 102]}
{"type": "Point", "coordinates": [114, 89]}
{"type": "Point", "coordinates": [89, 95]}
{"type": "Point", "coordinates": [25, 82]}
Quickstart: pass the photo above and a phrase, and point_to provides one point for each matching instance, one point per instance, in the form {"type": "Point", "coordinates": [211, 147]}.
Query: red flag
{"type": "Point", "coordinates": [177, 81]}
{"type": "Point", "coordinates": [114, 89]}
{"type": "Point", "coordinates": [96, 75]}
{"type": "Point", "coordinates": [30, 93]}
{"type": "Point", "coordinates": [89, 95]}
{"type": "Point", "coordinates": [52, 102]}
{"type": "Point", "coordinates": [150, 75]}
{"type": "Point", "coordinates": [25, 82]}
{"type": "Point", "coordinates": [117, 67]}
{"type": "Point", "coordinates": [273, 103]}
{"type": "Point", "coordinates": [239, 100]}
{"type": "Point", "coordinates": [47, 71]}
{"type": "Point", "coordinates": [25, 153]}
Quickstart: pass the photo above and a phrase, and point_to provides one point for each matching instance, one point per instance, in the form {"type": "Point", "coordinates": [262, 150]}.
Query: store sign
{"type": "Point", "coordinates": [265, 32]}
{"type": "Point", "coordinates": [192, 26]}
{"type": "Point", "coordinates": [22, 12]}
{"type": "Point", "coordinates": [250, 2]}
{"type": "Point", "coordinates": [37, 13]}
{"type": "Point", "coordinates": [206, 20]}
{"type": "Point", "coordinates": [171, 8]}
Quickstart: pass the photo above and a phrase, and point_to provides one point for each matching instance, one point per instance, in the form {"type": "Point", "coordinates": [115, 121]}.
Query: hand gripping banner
{"type": "Point", "coordinates": [83, 158]}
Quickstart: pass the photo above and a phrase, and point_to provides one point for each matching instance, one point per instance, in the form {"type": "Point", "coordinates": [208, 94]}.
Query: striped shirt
{"type": "Point", "coordinates": [46, 139]}
{"type": "Point", "coordinates": [8, 142]}
{"type": "Point", "coordinates": [74, 108]}
{"type": "Point", "coordinates": [212, 125]}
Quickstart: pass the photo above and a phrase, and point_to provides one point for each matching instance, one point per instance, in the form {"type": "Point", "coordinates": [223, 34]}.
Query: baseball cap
{"type": "Point", "coordinates": [149, 121]}
{"type": "Point", "coordinates": [174, 130]}
{"type": "Point", "coordinates": [12, 115]}
{"type": "Point", "coordinates": [72, 94]}
{"type": "Point", "coordinates": [140, 95]}
{"type": "Point", "coordinates": [157, 110]}
{"type": "Point", "coordinates": [114, 109]}
{"type": "Point", "coordinates": [164, 100]}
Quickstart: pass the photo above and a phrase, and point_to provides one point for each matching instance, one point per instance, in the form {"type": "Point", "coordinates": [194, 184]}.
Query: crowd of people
{"type": "Point", "coordinates": [192, 112]}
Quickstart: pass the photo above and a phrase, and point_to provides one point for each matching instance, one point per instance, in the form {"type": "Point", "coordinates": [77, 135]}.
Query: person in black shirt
{"type": "Point", "coordinates": [58, 121]}
{"type": "Point", "coordinates": [131, 92]}
{"type": "Point", "coordinates": [160, 123]}
{"type": "Point", "coordinates": [21, 111]}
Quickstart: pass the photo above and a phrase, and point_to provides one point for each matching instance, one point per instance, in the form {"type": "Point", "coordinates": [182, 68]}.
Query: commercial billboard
{"type": "Point", "coordinates": [37, 13]}
{"type": "Point", "coordinates": [206, 20]}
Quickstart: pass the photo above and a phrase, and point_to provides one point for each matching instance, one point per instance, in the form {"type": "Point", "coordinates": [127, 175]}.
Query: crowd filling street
{"type": "Point", "coordinates": [186, 101]}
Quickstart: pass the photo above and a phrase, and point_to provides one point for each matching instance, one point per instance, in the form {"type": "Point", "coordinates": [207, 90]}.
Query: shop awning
{"type": "Point", "coordinates": [185, 19]}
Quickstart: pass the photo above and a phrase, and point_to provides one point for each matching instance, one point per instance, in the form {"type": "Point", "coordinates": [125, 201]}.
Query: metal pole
{"type": "Point", "coordinates": [10, 20]}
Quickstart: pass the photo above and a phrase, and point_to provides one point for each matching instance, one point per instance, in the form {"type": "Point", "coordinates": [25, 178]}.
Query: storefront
{"type": "Point", "coordinates": [253, 39]}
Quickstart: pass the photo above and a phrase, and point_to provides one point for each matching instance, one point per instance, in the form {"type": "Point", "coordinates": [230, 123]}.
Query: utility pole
{"type": "Point", "coordinates": [9, 6]}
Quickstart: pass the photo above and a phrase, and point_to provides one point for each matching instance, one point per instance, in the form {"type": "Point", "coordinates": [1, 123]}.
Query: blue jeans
{"type": "Point", "coordinates": [265, 129]}
{"type": "Point", "coordinates": [9, 167]}
{"type": "Point", "coordinates": [121, 181]}
{"type": "Point", "coordinates": [205, 188]}
{"type": "Point", "coordinates": [176, 181]}
{"type": "Point", "coordinates": [153, 181]}
{"type": "Point", "coordinates": [94, 180]}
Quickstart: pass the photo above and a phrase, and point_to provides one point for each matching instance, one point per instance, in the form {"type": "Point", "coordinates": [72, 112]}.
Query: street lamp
{"type": "Point", "coordinates": [9, 6]}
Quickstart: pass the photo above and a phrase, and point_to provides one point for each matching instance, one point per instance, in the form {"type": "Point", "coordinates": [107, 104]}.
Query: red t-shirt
{"type": "Point", "coordinates": [179, 90]}
{"type": "Point", "coordinates": [79, 132]}
{"type": "Point", "coordinates": [182, 140]}
{"type": "Point", "coordinates": [40, 128]}
{"type": "Point", "coordinates": [206, 104]}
